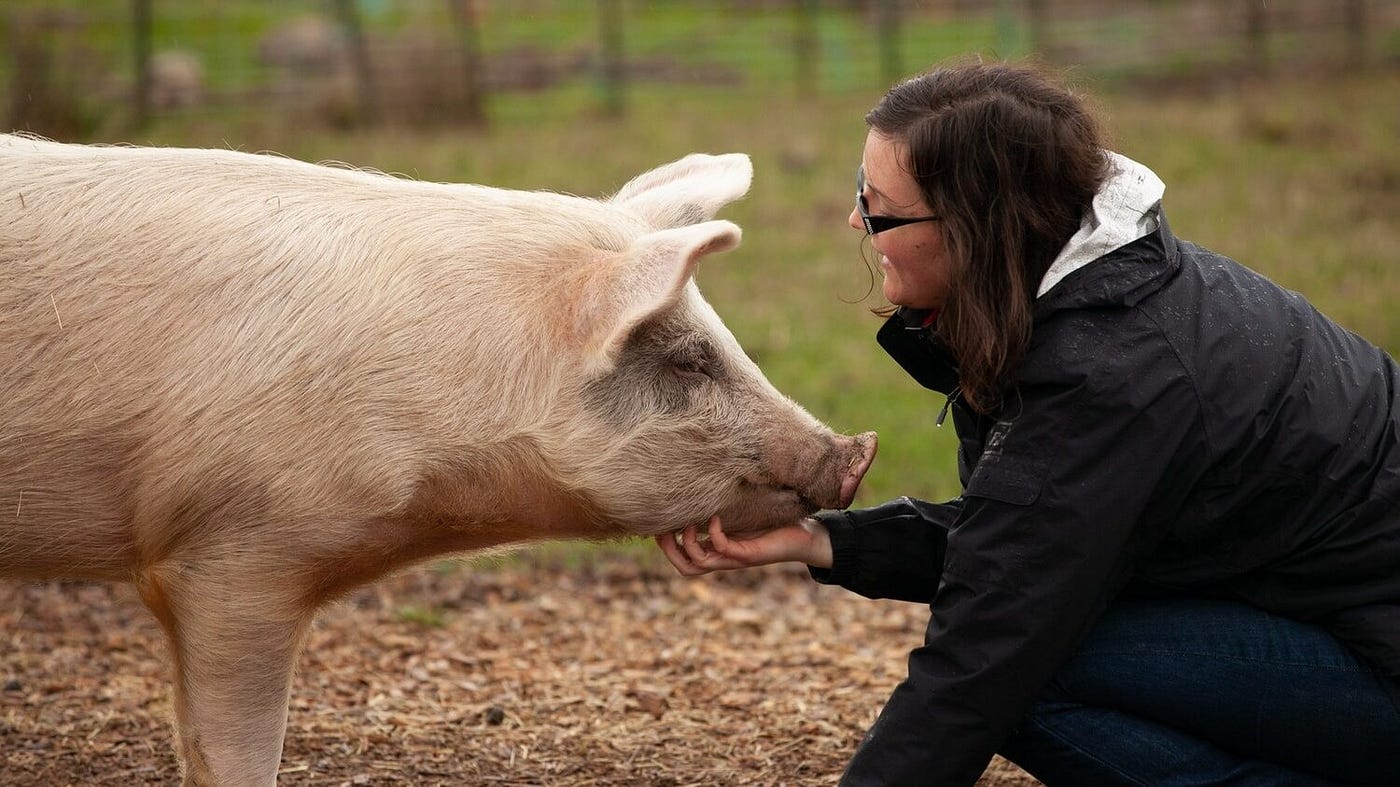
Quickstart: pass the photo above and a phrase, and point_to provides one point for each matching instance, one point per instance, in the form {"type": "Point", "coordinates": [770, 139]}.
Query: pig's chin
{"type": "Point", "coordinates": [765, 509]}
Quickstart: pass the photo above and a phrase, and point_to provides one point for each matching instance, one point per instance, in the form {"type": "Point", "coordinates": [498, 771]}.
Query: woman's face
{"type": "Point", "coordinates": [913, 258]}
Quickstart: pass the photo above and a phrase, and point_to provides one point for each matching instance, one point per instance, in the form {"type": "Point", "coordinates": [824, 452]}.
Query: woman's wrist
{"type": "Point", "coordinates": [818, 550]}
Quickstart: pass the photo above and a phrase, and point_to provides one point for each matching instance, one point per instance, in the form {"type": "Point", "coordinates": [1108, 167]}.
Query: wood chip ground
{"type": "Point", "coordinates": [528, 672]}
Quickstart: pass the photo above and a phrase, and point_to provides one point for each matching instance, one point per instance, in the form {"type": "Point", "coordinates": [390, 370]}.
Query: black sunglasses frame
{"type": "Point", "coordinates": [878, 224]}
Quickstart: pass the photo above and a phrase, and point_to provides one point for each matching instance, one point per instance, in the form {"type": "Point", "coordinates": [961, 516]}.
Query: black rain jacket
{"type": "Point", "coordinates": [1179, 425]}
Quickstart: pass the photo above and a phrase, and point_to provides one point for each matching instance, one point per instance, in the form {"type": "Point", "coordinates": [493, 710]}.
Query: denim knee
{"type": "Point", "coordinates": [1186, 691]}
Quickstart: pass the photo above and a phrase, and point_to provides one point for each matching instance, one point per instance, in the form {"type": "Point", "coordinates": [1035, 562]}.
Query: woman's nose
{"type": "Point", "coordinates": [855, 221]}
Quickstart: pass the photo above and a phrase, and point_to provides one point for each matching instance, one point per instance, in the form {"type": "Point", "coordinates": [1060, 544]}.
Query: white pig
{"type": "Point", "coordinates": [249, 384]}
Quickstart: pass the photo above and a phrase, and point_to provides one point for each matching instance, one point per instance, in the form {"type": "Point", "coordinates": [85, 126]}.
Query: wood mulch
{"type": "Point", "coordinates": [523, 672]}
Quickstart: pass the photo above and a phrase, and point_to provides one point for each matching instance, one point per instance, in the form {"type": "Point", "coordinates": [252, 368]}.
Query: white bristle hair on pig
{"type": "Point", "coordinates": [249, 384]}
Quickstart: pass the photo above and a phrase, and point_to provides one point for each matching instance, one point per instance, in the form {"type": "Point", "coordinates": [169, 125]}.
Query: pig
{"type": "Point", "coordinates": [249, 384]}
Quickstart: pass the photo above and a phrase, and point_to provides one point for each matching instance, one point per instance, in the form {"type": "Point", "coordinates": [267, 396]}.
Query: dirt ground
{"type": "Point", "coordinates": [617, 672]}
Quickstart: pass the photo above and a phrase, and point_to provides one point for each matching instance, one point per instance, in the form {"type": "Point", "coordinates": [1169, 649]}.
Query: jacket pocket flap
{"type": "Point", "coordinates": [1007, 480]}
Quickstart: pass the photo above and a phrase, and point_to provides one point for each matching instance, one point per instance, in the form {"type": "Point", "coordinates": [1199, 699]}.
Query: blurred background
{"type": "Point", "coordinates": [1274, 124]}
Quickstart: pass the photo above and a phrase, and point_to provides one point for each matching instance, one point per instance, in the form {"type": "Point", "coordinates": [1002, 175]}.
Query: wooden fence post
{"type": "Point", "coordinates": [613, 66]}
{"type": "Point", "coordinates": [469, 34]}
{"type": "Point", "coordinates": [1355, 12]}
{"type": "Point", "coordinates": [1257, 30]}
{"type": "Point", "coordinates": [141, 23]}
{"type": "Point", "coordinates": [349, 16]}
{"type": "Point", "coordinates": [1038, 22]}
{"type": "Point", "coordinates": [806, 46]}
{"type": "Point", "coordinates": [887, 32]}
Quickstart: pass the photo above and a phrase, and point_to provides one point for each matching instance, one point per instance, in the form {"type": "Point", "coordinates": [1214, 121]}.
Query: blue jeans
{"type": "Point", "coordinates": [1196, 692]}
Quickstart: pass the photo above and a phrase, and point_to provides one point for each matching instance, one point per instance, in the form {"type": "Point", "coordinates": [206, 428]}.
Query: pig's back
{"type": "Point", "coordinates": [170, 314]}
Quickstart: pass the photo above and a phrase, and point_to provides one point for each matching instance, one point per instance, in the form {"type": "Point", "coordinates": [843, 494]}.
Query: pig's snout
{"type": "Point", "coordinates": [814, 476]}
{"type": "Point", "coordinates": [862, 453]}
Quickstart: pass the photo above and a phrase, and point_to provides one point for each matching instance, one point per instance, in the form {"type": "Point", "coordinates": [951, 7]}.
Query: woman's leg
{"type": "Point", "coordinates": [1189, 691]}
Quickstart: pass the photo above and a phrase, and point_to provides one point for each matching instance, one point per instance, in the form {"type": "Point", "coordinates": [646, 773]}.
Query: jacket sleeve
{"type": "Point", "coordinates": [894, 550]}
{"type": "Point", "coordinates": [1052, 521]}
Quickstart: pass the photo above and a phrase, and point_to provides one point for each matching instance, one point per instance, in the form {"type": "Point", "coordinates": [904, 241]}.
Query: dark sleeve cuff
{"type": "Point", "coordinates": [894, 550]}
{"type": "Point", "coordinates": [844, 555]}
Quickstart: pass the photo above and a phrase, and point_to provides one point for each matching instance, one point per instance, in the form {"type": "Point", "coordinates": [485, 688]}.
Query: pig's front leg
{"type": "Point", "coordinates": [234, 632]}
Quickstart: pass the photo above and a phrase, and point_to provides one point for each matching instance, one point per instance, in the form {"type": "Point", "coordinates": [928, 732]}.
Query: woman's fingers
{"type": "Point", "coordinates": [718, 539]}
{"type": "Point", "coordinates": [677, 556]}
{"type": "Point", "coordinates": [690, 539]}
{"type": "Point", "coordinates": [774, 546]}
{"type": "Point", "coordinates": [690, 557]}
{"type": "Point", "coordinates": [737, 553]}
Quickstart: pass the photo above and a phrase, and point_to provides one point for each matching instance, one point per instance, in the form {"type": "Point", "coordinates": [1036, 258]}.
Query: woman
{"type": "Point", "coordinates": [1176, 558]}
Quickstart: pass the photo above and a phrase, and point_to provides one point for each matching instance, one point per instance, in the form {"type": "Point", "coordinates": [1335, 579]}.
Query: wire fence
{"type": "Point", "coordinates": [77, 67]}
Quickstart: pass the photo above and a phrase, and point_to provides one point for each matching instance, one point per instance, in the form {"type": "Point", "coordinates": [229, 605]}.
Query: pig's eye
{"type": "Point", "coordinates": [692, 369]}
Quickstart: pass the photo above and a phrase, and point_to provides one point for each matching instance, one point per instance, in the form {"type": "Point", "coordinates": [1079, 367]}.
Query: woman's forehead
{"type": "Point", "coordinates": [880, 148]}
{"type": "Point", "coordinates": [886, 170]}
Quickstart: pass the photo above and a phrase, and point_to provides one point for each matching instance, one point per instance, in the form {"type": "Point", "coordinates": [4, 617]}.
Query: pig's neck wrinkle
{"type": "Point", "coordinates": [512, 499]}
{"type": "Point", "coordinates": [454, 518]}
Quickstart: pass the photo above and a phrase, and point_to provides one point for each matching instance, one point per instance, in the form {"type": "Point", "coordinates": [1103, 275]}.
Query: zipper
{"type": "Point", "coordinates": [947, 403]}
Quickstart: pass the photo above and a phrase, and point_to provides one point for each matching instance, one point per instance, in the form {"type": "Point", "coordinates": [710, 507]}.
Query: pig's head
{"type": "Point", "coordinates": [667, 422]}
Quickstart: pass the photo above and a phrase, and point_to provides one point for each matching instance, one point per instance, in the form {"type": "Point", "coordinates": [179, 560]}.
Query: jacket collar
{"type": "Point", "coordinates": [1124, 210]}
{"type": "Point", "coordinates": [913, 345]}
{"type": "Point", "coordinates": [1123, 277]}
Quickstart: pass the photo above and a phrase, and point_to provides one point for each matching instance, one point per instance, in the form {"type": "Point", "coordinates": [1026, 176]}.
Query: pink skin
{"type": "Point", "coordinates": [914, 262]}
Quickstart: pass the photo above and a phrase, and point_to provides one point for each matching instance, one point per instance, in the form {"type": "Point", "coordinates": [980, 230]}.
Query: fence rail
{"type": "Point", "coordinates": [75, 67]}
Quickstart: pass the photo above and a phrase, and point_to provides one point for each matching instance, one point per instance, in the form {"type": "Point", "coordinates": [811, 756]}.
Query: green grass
{"type": "Point", "coordinates": [1298, 181]}
{"type": "Point", "coordinates": [427, 617]}
{"type": "Point", "coordinates": [755, 44]}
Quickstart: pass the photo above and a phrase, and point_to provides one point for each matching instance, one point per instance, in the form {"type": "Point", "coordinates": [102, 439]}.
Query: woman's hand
{"type": "Point", "coordinates": [806, 541]}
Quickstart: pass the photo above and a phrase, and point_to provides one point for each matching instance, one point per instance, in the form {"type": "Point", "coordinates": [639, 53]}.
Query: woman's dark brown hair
{"type": "Point", "coordinates": [1011, 160]}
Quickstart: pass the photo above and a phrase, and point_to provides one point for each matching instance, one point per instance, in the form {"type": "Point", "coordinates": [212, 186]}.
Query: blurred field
{"type": "Point", "coordinates": [1299, 179]}
{"type": "Point", "coordinates": [1290, 171]}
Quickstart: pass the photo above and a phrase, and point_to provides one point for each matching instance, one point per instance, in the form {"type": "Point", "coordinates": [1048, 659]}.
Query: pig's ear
{"type": "Point", "coordinates": [687, 191]}
{"type": "Point", "coordinates": [645, 280]}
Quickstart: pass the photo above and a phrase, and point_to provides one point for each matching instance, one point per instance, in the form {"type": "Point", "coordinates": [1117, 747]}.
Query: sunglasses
{"type": "Point", "coordinates": [877, 224]}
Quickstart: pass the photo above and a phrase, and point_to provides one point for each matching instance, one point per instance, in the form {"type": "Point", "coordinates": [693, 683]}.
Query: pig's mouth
{"type": "Point", "coordinates": [762, 500]}
{"type": "Point", "coordinates": [763, 505]}
{"type": "Point", "coordinates": [782, 494]}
